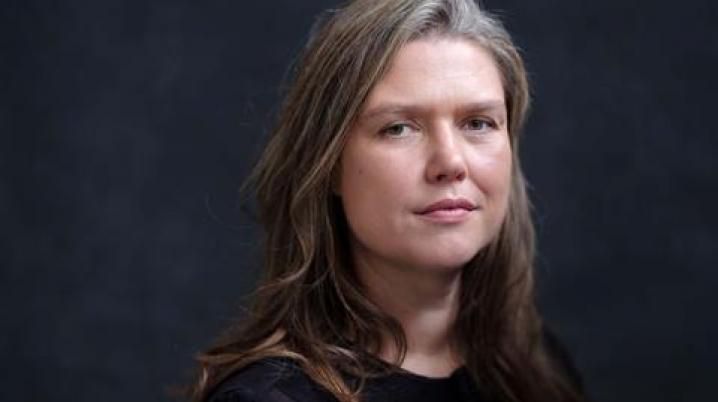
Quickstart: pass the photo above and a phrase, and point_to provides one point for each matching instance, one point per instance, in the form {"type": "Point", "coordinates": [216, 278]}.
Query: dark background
{"type": "Point", "coordinates": [128, 126]}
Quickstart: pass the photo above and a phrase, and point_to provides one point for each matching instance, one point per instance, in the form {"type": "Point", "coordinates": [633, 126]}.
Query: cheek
{"type": "Point", "coordinates": [492, 175]}
{"type": "Point", "coordinates": [504, 188]}
{"type": "Point", "coordinates": [371, 184]}
{"type": "Point", "coordinates": [492, 170]}
{"type": "Point", "coordinates": [503, 180]}
{"type": "Point", "coordinates": [375, 186]}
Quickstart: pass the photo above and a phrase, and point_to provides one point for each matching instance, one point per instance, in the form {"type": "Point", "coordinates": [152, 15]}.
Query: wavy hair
{"type": "Point", "coordinates": [309, 305]}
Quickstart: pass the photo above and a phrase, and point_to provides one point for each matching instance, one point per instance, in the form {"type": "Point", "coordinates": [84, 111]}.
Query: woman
{"type": "Point", "coordinates": [399, 246]}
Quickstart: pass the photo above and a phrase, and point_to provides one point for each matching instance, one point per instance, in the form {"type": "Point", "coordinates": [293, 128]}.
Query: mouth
{"type": "Point", "coordinates": [450, 206]}
{"type": "Point", "coordinates": [448, 211]}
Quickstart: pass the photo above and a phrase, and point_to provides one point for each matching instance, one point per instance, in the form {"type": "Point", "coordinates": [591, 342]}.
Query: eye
{"type": "Point", "coordinates": [395, 130]}
{"type": "Point", "coordinates": [477, 124]}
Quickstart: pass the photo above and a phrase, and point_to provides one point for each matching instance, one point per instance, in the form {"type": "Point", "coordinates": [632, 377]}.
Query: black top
{"type": "Point", "coordinates": [281, 380]}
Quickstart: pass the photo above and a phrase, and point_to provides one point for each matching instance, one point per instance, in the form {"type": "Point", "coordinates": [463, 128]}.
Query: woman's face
{"type": "Point", "coordinates": [425, 174]}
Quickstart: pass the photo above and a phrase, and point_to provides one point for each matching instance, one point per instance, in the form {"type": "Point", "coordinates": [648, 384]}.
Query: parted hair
{"type": "Point", "coordinates": [310, 305]}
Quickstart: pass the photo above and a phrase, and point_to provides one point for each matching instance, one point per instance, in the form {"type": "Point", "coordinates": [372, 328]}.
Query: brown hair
{"type": "Point", "coordinates": [309, 306]}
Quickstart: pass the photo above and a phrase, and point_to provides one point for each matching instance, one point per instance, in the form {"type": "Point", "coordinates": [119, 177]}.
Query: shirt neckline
{"type": "Point", "coordinates": [395, 370]}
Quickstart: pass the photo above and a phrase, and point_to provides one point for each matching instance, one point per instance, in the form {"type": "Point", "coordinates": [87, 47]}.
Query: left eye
{"type": "Point", "coordinates": [478, 124]}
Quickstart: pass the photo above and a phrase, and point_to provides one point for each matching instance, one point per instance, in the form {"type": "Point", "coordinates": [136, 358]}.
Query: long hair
{"type": "Point", "coordinates": [309, 305]}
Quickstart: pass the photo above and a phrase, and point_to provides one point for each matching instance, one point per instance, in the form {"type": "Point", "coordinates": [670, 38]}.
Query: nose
{"type": "Point", "coordinates": [446, 163]}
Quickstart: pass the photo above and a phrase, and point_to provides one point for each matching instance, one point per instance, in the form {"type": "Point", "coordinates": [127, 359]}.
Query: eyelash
{"type": "Point", "coordinates": [488, 122]}
{"type": "Point", "coordinates": [387, 131]}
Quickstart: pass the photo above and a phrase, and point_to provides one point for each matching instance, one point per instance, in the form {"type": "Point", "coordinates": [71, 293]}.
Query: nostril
{"type": "Point", "coordinates": [458, 175]}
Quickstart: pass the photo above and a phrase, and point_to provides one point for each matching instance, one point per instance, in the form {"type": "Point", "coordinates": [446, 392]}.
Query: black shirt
{"type": "Point", "coordinates": [281, 380]}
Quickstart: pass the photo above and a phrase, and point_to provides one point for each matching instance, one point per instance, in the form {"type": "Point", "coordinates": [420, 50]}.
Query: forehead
{"type": "Point", "coordinates": [439, 70]}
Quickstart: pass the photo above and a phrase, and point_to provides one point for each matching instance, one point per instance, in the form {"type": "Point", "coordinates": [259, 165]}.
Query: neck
{"type": "Point", "coordinates": [425, 303]}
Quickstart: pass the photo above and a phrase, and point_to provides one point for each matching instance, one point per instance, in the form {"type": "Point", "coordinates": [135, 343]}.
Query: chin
{"type": "Point", "coordinates": [445, 260]}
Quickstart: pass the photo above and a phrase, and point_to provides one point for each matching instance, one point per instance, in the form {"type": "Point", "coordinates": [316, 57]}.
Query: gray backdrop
{"type": "Point", "coordinates": [128, 126]}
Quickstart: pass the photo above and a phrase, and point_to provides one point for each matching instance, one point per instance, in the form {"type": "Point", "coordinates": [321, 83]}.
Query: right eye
{"type": "Point", "coordinates": [395, 130]}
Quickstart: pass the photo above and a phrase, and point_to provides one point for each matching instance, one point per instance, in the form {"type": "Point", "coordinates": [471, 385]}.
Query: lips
{"type": "Point", "coordinates": [449, 204]}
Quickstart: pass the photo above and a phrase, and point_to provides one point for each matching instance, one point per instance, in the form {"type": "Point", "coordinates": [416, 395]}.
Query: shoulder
{"type": "Point", "coordinates": [269, 380]}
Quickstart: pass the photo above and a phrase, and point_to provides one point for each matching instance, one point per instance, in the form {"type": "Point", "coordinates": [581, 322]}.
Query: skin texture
{"type": "Point", "coordinates": [433, 128]}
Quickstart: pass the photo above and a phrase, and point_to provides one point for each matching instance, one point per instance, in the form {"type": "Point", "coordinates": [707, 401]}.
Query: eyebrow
{"type": "Point", "coordinates": [400, 108]}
